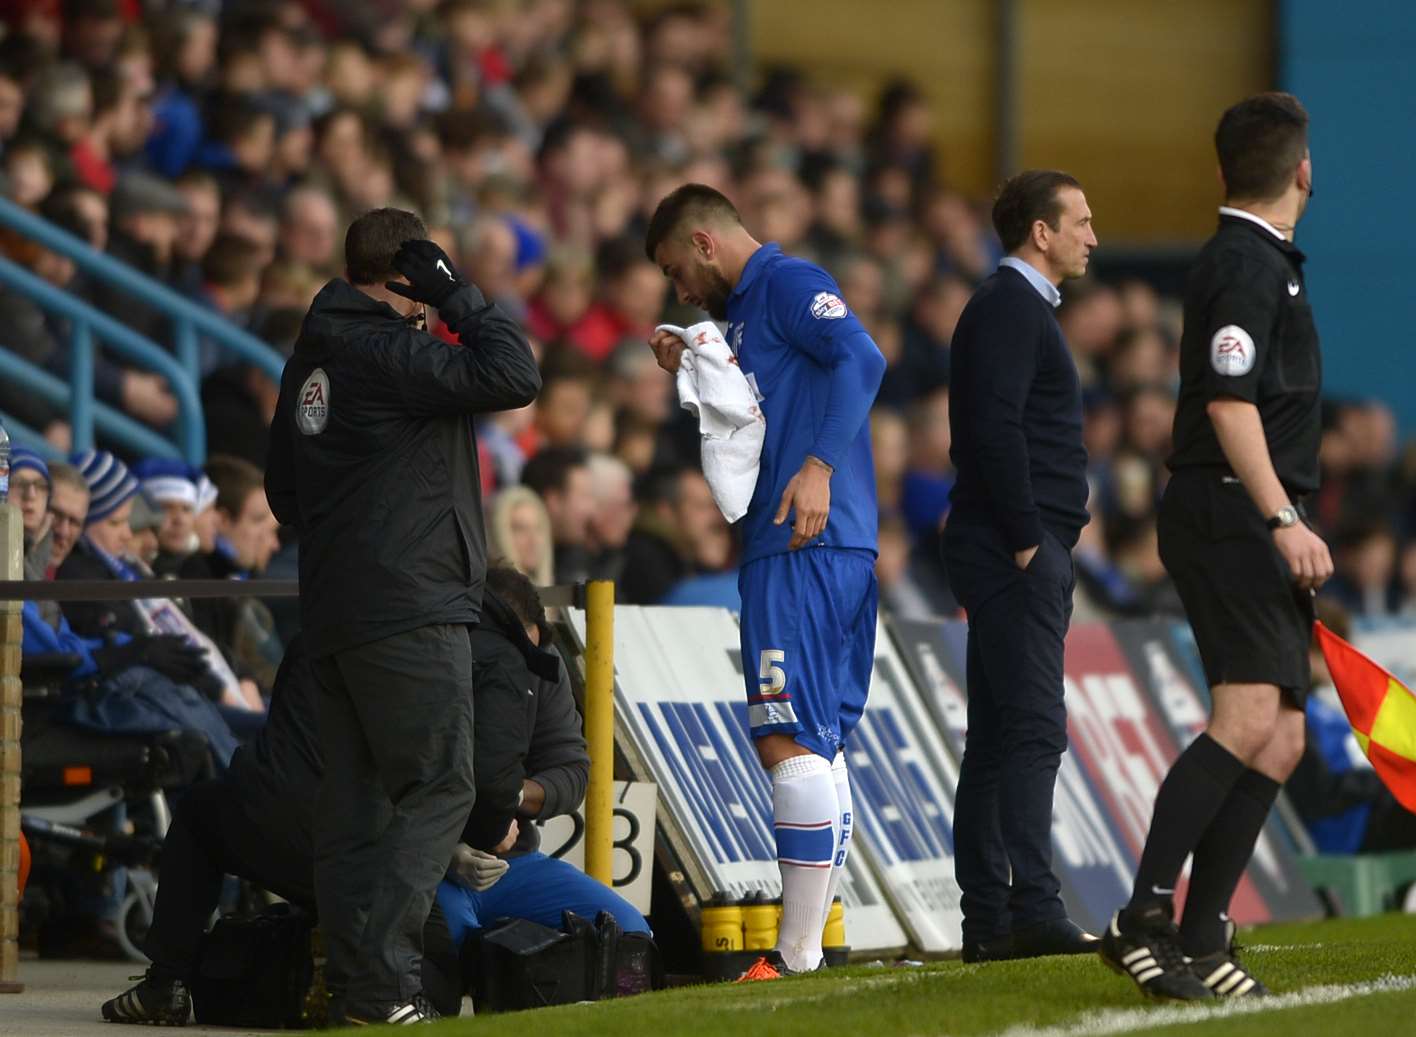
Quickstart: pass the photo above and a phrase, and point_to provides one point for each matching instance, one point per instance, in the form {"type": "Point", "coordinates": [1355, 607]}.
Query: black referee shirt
{"type": "Point", "coordinates": [1249, 334]}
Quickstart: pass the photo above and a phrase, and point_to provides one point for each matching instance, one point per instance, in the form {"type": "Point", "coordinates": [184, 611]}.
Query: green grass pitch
{"type": "Point", "coordinates": [1356, 978]}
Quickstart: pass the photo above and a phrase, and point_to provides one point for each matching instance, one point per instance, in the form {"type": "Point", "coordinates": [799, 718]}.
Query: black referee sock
{"type": "Point", "coordinates": [1189, 798]}
{"type": "Point", "coordinates": [1220, 860]}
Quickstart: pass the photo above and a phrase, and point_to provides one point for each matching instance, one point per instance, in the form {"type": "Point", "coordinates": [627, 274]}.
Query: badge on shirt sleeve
{"type": "Point", "coordinates": [312, 412]}
{"type": "Point", "coordinates": [1232, 351]}
{"type": "Point", "coordinates": [828, 306]}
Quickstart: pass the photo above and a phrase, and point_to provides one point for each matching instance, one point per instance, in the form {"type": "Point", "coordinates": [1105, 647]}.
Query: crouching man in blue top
{"type": "Point", "coordinates": [809, 536]}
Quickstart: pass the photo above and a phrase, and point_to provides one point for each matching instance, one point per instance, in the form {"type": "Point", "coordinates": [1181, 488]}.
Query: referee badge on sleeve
{"type": "Point", "coordinates": [1232, 351]}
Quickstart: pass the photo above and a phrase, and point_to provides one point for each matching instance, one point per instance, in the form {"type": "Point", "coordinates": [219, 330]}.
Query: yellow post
{"type": "Point", "coordinates": [11, 568]}
{"type": "Point", "coordinates": [600, 727]}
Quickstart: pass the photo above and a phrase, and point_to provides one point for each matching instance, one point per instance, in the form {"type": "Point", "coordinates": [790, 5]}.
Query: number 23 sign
{"type": "Point", "coordinates": [633, 834]}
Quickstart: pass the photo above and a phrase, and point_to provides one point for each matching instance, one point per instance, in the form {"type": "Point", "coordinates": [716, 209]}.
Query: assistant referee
{"type": "Point", "coordinates": [1234, 540]}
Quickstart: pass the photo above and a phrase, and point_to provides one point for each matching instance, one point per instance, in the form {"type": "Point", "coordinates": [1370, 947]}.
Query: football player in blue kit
{"type": "Point", "coordinates": [809, 537]}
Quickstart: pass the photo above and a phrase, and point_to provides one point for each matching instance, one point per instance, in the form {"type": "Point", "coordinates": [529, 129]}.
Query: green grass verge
{"type": "Point", "coordinates": [1051, 996]}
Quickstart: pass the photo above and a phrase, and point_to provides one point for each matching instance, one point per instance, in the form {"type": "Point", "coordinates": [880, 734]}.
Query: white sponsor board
{"type": "Point", "coordinates": [679, 697]}
{"type": "Point", "coordinates": [902, 786]}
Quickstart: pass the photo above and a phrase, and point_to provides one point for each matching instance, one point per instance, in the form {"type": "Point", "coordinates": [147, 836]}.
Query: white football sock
{"type": "Point", "coordinates": [805, 815]}
{"type": "Point", "coordinates": [842, 779]}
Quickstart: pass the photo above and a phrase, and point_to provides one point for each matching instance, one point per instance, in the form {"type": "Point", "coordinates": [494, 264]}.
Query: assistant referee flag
{"type": "Point", "coordinates": [1382, 712]}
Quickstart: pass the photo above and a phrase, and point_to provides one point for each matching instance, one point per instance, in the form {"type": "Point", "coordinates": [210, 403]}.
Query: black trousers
{"type": "Point", "coordinates": [1017, 728]}
{"type": "Point", "coordinates": [214, 833]}
{"type": "Point", "coordinates": [395, 721]}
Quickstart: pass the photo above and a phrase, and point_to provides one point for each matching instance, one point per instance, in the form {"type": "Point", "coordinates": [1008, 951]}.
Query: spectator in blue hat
{"type": "Point", "coordinates": [29, 493]}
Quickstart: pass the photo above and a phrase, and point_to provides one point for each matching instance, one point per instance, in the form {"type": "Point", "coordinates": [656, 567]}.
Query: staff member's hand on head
{"type": "Point", "coordinates": [431, 275]}
{"type": "Point", "coordinates": [1307, 556]}
{"type": "Point", "coordinates": [809, 493]}
{"type": "Point", "coordinates": [667, 348]}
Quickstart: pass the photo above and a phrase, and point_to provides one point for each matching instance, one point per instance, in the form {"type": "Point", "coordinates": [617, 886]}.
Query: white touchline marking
{"type": "Point", "coordinates": [1125, 1020]}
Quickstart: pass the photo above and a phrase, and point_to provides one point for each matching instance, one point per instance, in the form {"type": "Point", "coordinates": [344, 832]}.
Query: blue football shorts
{"type": "Point", "coordinates": [808, 643]}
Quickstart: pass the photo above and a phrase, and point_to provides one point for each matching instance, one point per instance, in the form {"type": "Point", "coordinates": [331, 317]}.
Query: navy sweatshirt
{"type": "Point", "coordinates": [1015, 413]}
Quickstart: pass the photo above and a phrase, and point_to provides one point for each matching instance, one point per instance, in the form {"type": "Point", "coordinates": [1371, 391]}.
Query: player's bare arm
{"type": "Point", "coordinates": [1241, 436]}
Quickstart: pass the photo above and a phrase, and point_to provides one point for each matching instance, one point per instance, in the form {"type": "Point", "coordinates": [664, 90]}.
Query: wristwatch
{"type": "Point", "coordinates": [1285, 516]}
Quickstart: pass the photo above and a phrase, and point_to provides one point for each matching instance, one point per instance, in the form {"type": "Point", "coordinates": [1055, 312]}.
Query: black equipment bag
{"type": "Point", "coordinates": [259, 971]}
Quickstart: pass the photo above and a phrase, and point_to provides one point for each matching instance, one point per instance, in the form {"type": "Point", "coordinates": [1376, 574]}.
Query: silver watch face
{"type": "Point", "coordinates": [1287, 517]}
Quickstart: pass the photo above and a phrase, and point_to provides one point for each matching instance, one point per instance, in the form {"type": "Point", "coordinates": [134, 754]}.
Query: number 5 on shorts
{"type": "Point", "coordinates": [771, 678]}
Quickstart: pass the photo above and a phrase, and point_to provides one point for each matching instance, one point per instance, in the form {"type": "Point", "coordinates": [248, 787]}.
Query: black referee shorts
{"type": "Point", "coordinates": [1252, 623]}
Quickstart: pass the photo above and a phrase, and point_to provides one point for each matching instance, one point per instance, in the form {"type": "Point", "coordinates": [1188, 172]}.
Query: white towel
{"type": "Point", "coordinates": [712, 387]}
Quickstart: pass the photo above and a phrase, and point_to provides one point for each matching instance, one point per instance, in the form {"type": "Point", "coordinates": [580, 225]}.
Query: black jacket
{"type": "Point", "coordinates": [1016, 417]}
{"type": "Point", "coordinates": [557, 760]}
{"type": "Point", "coordinates": [505, 665]}
{"type": "Point", "coordinates": [374, 460]}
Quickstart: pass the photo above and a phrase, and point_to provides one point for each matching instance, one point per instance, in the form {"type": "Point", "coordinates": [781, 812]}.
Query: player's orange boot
{"type": "Point", "coordinates": [769, 966]}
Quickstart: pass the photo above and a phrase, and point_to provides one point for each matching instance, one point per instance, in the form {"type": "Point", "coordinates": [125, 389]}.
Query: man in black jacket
{"type": "Point", "coordinates": [258, 820]}
{"type": "Point", "coordinates": [1018, 506]}
{"type": "Point", "coordinates": [373, 458]}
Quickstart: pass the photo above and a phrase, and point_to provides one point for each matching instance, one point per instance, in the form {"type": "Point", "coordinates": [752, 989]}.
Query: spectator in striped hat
{"type": "Point", "coordinates": [171, 487]}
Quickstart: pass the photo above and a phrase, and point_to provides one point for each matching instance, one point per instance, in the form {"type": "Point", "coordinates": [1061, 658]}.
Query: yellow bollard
{"type": "Point", "coordinates": [600, 728]}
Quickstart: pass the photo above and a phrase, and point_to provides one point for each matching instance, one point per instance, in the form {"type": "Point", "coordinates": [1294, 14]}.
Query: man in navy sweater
{"type": "Point", "coordinates": [1018, 507]}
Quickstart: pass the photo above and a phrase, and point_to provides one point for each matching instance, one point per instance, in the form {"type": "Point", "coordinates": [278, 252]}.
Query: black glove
{"type": "Point", "coordinates": [168, 654]}
{"type": "Point", "coordinates": [173, 656]}
{"type": "Point", "coordinates": [431, 275]}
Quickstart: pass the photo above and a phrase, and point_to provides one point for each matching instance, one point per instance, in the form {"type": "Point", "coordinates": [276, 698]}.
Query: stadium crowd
{"type": "Point", "coordinates": [223, 149]}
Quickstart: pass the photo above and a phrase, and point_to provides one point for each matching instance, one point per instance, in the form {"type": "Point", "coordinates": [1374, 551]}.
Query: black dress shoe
{"type": "Point", "coordinates": [1062, 936]}
{"type": "Point", "coordinates": [1000, 948]}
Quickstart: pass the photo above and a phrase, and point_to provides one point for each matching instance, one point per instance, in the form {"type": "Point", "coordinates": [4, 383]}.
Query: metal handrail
{"type": "Point", "coordinates": [562, 595]}
{"type": "Point", "coordinates": [87, 321]}
{"type": "Point", "coordinates": [114, 424]}
{"type": "Point", "coordinates": [188, 318]}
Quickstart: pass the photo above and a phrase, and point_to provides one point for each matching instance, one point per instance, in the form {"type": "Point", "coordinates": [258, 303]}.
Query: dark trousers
{"type": "Point", "coordinates": [1017, 728]}
{"type": "Point", "coordinates": [396, 731]}
{"type": "Point", "coordinates": [213, 833]}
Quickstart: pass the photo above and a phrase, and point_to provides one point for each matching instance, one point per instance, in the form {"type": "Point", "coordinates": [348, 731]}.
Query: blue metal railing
{"type": "Point", "coordinates": [190, 323]}
{"type": "Point", "coordinates": [86, 323]}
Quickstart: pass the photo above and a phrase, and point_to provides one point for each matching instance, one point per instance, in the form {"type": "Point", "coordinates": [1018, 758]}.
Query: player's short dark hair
{"type": "Point", "coordinates": [1260, 142]}
{"type": "Point", "coordinates": [550, 468]}
{"type": "Point", "coordinates": [1024, 199]}
{"type": "Point", "coordinates": [517, 590]}
{"type": "Point", "coordinates": [689, 202]}
{"type": "Point", "coordinates": [372, 240]}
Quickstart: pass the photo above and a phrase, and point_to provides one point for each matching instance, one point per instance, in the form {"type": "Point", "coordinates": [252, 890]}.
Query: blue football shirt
{"type": "Point", "coordinates": [816, 372]}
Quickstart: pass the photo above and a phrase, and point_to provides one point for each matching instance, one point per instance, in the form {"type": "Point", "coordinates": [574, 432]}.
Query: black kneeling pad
{"type": "Point", "coordinates": [258, 971]}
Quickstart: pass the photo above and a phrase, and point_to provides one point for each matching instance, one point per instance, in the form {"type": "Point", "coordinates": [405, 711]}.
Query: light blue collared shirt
{"type": "Point", "coordinates": [1045, 288]}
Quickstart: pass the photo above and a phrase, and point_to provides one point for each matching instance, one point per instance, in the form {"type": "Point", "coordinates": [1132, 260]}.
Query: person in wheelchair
{"type": "Point", "coordinates": [256, 821]}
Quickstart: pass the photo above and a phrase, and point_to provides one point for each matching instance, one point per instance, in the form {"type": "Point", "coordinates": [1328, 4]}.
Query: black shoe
{"type": "Point", "coordinates": [1000, 948]}
{"type": "Point", "coordinates": [1225, 976]}
{"type": "Point", "coordinates": [1224, 973]}
{"type": "Point", "coordinates": [1062, 936]}
{"type": "Point", "coordinates": [153, 1002]}
{"type": "Point", "coordinates": [409, 1013]}
{"type": "Point", "coordinates": [1146, 948]}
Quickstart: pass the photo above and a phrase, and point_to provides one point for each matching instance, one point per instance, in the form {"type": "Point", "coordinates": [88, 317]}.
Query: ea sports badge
{"type": "Point", "coordinates": [828, 306]}
{"type": "Point", "coordinates": [1232, 351]}
{"type": "Point", "coordinates": [312, 408]}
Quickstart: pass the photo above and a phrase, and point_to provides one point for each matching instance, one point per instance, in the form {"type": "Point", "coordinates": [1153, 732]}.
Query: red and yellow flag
{"type": "Point", "coordinates": [1382, 712]}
